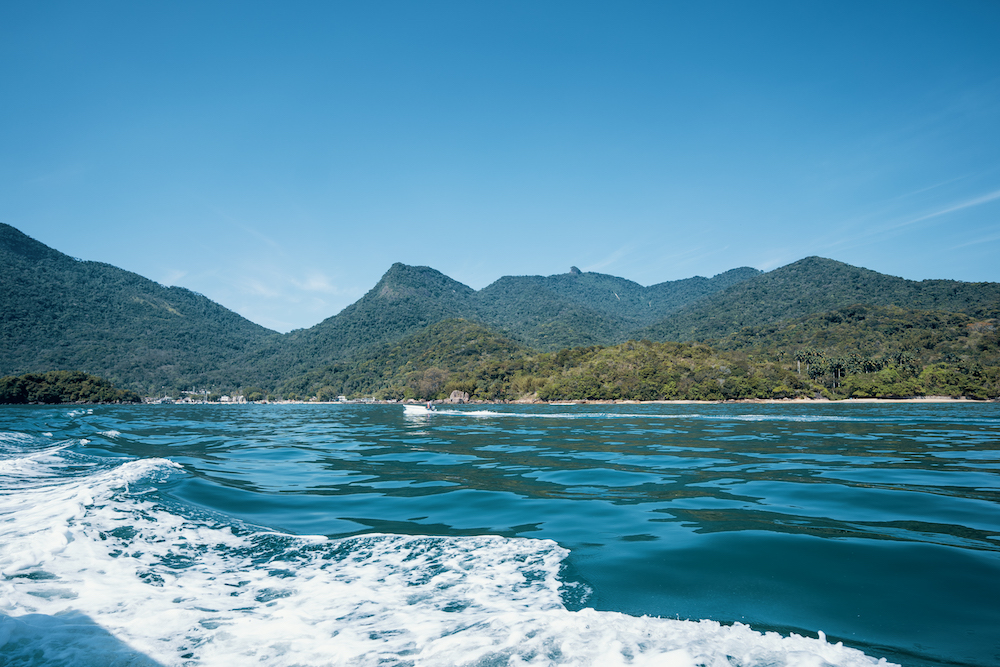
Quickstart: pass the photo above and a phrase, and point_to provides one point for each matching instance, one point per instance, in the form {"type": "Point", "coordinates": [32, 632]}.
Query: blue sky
{"type": "Point", "coordinates": [279, 157]}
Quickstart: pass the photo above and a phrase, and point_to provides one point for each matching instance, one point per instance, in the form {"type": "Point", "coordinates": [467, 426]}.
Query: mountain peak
{"type": "Point", "coordinates": [15, 241]}
{"type": "Point", "coordinates": [813, 285]}
{"type": "Point", "coordinates": [405, 280]}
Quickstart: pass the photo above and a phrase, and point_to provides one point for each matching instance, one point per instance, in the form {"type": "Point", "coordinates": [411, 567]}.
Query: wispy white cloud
{"type": "Point", "coordinates": [173, 277]}
{"type": "Point", "coordinates": [317, 282]}
{"type": "Point", "coordinates": [614, 257]}
{"type": "Point", "coordinates": [862, 231]}
{"type": "Point", "coordinates": [986, 239]}
{"type": "Point", "coordinates": [244, 228]}
{"type": "Point", "coordinates": [928, 188]}
{"type": "Point", "coordinates": [693, 256]}
{"type": "Point", "coordinates": [278, 293]}
{"type": "Point", "coordinates": [969, 203]}
{"type": "Point", "coordinates": [267, 289]}
{"type": "Point", "coordinates": [263, 237]}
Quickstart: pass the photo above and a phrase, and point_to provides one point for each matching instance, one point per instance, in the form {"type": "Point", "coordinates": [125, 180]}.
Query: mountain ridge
{"type": "Point", "coordinates": [615, 306]}
{"type": "Point", "coordinates": [813, 285]}
{"type": "Point", "coordinates": [60, 313]}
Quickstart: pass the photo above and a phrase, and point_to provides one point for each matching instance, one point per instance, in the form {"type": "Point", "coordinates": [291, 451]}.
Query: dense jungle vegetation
{"type": "Point", "coordinates": [574, 309]}
{"type": "Point", "coordinates": [814, 327]}
{"type": "Point", "coordinates": [961, 359]}
{"type": "Point", "coordinates": [817, 285]}
{"type": "Point", "coordinates": [57, 312]}
{"type": "Point", "coordinates": [62, 387]}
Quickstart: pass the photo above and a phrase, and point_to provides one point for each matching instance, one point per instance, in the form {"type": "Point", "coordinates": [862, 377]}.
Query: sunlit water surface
{"type": "Point", "coordinates": [587, 535]}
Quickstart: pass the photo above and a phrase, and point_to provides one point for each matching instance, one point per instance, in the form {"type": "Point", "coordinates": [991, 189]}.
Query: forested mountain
{"type": "Point", "coordinates": [419, 364]}
{"type": "Point", "coordinates": [816, 285]}
{"type": "Point", "coordinates": [419, 329]}
{"type": "Point", "coordinates": [949, 355]}
{"type": "Point", "coordinates": [932, 336]}
{"type": "Point", "coordinates": [545, 313]}
{"type": "Point", "coordinates": [405, 300]}
{"type": "Point", "coordinates": [582, 308]}
{"type": "Point", "coordinates": [524, 306]}
{"type": "Point", "coordinates": [461, 355]}
{"type": "Point", "coordinates": [855, 349]}
{"type": "Point", "coordinates": [59, 313]}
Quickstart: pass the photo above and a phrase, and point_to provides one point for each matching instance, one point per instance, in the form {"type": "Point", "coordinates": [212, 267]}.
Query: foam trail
{"type": "Point", "coordinates": [628, 415]}
{"type": "Point", "coordinates": [94, 538]}
{"type": "Point", "coordinates": [539, 411]}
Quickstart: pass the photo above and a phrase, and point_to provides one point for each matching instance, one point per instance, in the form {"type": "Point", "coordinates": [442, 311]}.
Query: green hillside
{"type": "Point", "coordinates": [857, 352]}
{"type": "Point", "coordinates": [816, 285]}
{"type": "Point", "coordinates": [581, 308]}
{"type": "Point", "coordinates": [57, 312]}
{"type": "Point", "coordinates": [944, 353]}
{"type": "Point", "coordinates": [545, 313]}
{"type": "Point", "coordinates": [669, 297]}
{"type": "Point", "coordinates": [419, 365]}
{"type": "Point", "coordinates": [62, 387]}
{"type": "Point", "coordinates": [419, 333]}
{"type": "Point", "coordinates": [931, 335]}
{"type": "Point", "coordinates": [406, 299]}
{"type": "Point", "coordinates": [458, 355]}
{"type": "Point", "coordinates": [462, 355]}
{"type": "Point", "coordinates": [526, 307]}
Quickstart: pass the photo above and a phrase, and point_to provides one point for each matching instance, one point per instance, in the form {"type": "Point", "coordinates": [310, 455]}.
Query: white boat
{"type": "Point", "coordinates": [414, 410]}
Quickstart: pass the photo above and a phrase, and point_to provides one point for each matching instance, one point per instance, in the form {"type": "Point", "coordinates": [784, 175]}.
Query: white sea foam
{"type": "Point", "coordinates": [423, 414]}
{"type": "Point", "coordinates": [95, 565]}
{"type": "Point", "coordinates": [661, 417]}
{"type": "Point", "coordinates": [14, 439]}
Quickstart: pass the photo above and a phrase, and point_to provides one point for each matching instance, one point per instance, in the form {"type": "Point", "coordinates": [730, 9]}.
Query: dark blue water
{"type": "Point", "coordinates": [877, 525]}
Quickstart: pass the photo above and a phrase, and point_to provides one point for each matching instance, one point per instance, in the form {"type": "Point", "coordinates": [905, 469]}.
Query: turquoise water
{"type": "Point", "coordinates": [350, 534]}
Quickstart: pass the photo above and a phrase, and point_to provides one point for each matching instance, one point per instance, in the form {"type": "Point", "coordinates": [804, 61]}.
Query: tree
{"type": "Point", "coordinates": [430, 382]}
{"type": "Point", "coordinates": [253, 394]}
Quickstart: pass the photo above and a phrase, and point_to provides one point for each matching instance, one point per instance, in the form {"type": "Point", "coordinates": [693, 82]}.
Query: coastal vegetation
{"type": "Point", "coordinates": [816, 327]}
{"type": "Point", "coordinates": [62, 387]}
{"type": "Point", "coordinates": [959, 360]}
{"type": "Point", "coordinates": [883, 351]}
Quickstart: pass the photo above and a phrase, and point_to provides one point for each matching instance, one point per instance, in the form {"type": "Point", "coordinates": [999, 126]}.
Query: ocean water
{"type": "Point", "coordinates": [676, 535]}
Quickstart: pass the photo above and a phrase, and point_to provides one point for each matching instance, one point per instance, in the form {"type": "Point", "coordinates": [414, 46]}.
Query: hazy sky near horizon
{"type": "Point", "coordinates": [279, 157]}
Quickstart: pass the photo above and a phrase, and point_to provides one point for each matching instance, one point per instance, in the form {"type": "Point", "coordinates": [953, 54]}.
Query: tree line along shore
{"type": "Point", "coordinates": [464, 357]}
{"type": "Point", "coordinates": [458, 356]}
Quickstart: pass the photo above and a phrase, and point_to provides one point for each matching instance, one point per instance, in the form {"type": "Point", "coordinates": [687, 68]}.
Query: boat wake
{"type": "Point", "coordinates": [421, 411]}
{"type": "Point", "coordinates": [94, 539]}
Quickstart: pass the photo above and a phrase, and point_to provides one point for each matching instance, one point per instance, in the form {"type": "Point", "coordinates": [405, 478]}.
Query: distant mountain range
{"type": "Point", "coordinates": [816, 285]}
{"type": "Point", "coordinates": [59, 313]}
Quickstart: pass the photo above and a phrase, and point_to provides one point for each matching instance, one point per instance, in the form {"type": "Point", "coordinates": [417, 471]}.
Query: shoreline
{"type": "Point", "coordinates": [761, 401]}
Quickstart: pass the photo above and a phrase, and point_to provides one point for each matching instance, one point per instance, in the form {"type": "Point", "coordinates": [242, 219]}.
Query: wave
{"type": "Point", "coordinates": [783, 415]}
{"type": "Point", "coordinates": [92, 536]}
{"type": "Point", "coordinates": [646, 415]}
